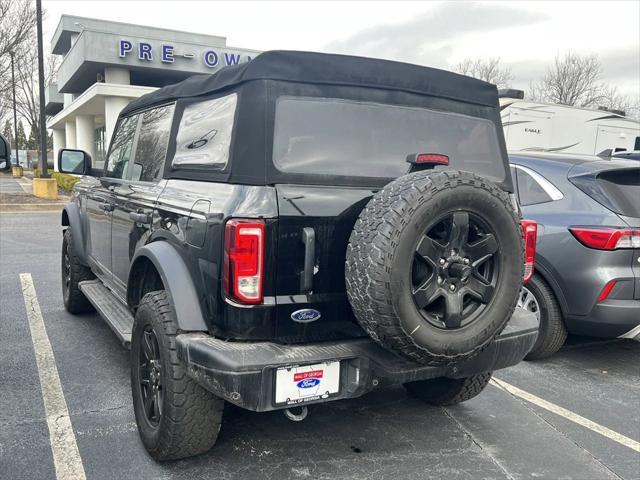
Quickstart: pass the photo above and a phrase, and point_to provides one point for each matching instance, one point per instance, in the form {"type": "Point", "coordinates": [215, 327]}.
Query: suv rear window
{"type": "Point", "coordinates": [328, 136]}
{"type": "Point", "coordinates": [622, 188]}
{"type": "Point", "coordinates": [204, 133]}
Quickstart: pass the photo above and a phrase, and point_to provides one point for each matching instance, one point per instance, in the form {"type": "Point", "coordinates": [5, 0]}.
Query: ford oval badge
{"type": "Point", "coordinates": [308, 383]}
{"type": "Point", "coordinates": [305, 315]}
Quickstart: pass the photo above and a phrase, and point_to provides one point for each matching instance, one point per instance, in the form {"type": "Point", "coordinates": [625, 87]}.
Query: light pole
{"type": "Point", "coordinates": [15, 112]}
{"type": "Point", "coordinates": [43, 124]}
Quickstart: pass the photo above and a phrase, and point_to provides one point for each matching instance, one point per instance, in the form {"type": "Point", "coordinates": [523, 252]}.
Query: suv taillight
{"type": "Point", "coordinates": [607, 238]}
{"type": "Point", "coordinates": [244, 260]}
{"type": "Point", "coordinates": [530, 235]}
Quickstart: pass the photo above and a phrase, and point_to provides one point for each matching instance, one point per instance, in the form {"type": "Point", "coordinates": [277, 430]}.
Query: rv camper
{"type": "Point", "coordinates": [540, 127]}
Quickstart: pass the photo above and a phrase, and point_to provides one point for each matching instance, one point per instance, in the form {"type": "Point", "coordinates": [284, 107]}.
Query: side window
{"type": "Point", "coordinates": [153, 140]}
{"type": "Point", "coordinates": [529, 190]}
{"type": "Point", "coordinates": [204, 133]}
{"type": "Point", "coordinates": [122, 148]}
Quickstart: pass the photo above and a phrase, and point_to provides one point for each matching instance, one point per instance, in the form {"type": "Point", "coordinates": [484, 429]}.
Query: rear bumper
{"type": "Point", "coordinates": [611, 318]}
{"type": "Point", "coordinates": [244, 373]}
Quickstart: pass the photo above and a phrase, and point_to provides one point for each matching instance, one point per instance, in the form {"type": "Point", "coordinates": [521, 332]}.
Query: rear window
{"type": "Point", "coordinates": [622, 188]}
{"type": "Point", "coordinates": [329, 136]}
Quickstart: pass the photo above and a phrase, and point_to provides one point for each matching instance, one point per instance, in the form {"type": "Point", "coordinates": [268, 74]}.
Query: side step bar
{"type": "Point", "coordinates": [112, 310]}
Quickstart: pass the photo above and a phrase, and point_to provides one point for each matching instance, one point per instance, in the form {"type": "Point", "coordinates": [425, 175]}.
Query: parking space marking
{"type": "Point", "coordinates": [66, 457]}
{"type": "Point", "coordinates": [569, 415]}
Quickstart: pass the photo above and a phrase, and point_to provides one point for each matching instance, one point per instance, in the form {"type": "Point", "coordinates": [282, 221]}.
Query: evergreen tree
{"type": "Point", "coordinates": [32, 142]}
{"type": "Point", "coordinates": [8, 132]}
{"type": "Point", "coordinates": [22, 138]}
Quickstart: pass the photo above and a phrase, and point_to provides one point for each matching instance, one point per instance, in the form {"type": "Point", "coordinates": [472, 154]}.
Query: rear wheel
{"type": "Point", "coordinates": [176, 417]}
{"type": "Point", "coordinates": [448, 391]}
{"type": "Point", "coordinates": [537, 297]}
{"type": "Point", "coordinates": [73, 272]}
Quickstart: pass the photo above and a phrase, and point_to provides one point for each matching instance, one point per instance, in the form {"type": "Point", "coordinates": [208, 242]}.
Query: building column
{"type": "Point", "coordinates": [68, 99]}
{"type": "Point", "coordinates": [70, 134]}
{"type": "Point", "coordinates": [58, 144]}
{"type": "Point", "coordinates": [117, 75]}
{"type": "Point", "coordinates": [112, 108]}
{"type": "Point", "coordinates": [86, 134]}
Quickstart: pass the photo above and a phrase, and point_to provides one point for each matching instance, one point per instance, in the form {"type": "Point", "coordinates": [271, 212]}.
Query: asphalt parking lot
{"type": "Point", "coordinates": [585, 423]}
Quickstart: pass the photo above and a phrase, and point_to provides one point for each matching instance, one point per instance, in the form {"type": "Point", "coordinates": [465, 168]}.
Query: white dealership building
{"type": "Point", "coordinates": [107, 64]}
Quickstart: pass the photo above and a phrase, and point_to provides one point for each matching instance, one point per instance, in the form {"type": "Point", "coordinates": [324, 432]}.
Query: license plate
{"type": "Point", "coordinates": [307, 383]}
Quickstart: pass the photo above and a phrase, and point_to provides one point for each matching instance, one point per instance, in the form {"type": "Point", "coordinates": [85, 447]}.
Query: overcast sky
{"type": "Point", "coordinates": [525, 35]}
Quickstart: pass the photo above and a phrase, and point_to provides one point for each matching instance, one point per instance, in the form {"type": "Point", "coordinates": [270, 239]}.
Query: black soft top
{"type": "Point", "coordinates": [329, 69]}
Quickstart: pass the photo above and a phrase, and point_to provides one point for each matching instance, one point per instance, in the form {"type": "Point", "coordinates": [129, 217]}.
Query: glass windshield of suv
{"type": "Point", "coordinates": [329, 136]}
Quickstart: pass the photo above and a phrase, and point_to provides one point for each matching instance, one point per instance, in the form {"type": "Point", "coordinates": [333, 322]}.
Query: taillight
{"type": "Point", "coordinates": [607, 238]}
{"type": "Point", "coordinates": [530, 235]}
{"type": "Point", "coordinates": [244, 260]}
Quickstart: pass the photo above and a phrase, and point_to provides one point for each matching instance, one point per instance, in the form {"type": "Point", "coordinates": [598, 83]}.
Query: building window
{"type": "Point", "coordinates": [100, 147]}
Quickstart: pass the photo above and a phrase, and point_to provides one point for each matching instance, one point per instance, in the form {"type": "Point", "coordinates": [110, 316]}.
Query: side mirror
{"type": "Point", "coordinates": [74, 161]}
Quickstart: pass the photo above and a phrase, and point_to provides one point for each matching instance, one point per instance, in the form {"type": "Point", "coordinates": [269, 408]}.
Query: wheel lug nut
{"type": "Point", "coordinates": [466, 261]}
{"type": "Point", "coordinates": [439, 279]}
{"type": "Point", "coordinates": [442, 261]}
{"type": "Point", "coordinates": [453, 252]}
{"type": "Point", "coordinates": [452, 288]}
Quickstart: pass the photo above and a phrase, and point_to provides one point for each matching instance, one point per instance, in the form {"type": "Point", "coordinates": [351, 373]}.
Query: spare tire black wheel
{"type": "Point", "coordinates": [434, 265]}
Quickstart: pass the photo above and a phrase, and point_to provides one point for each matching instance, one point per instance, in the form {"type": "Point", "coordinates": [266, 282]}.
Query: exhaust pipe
{"type": "Point", "coordinates": [296, 417]}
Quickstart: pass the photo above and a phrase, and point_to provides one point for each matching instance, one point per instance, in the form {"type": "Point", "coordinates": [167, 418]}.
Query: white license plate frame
{"type": "Point", "coordinates": [306, 383]}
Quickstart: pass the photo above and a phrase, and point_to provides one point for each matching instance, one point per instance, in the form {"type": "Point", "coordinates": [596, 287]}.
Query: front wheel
{"type": "Point", "coordinates": [73, 272]}
{"type": "Point", "coordinates": [176, 417]}
{"type": "Point", "coordinates": [448, 391]}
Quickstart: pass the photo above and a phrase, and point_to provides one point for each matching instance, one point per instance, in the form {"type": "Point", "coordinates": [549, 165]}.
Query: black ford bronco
{"type": "Point", "coordinates": [300, 229]}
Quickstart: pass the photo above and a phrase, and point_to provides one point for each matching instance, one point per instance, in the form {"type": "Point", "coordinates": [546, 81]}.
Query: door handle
{"type": "Point", "coordinates": [107, 207]}
{"type": "Point", "coordinates": [140, 217]}
{"type": "Point", "coordinates": [306, 276]}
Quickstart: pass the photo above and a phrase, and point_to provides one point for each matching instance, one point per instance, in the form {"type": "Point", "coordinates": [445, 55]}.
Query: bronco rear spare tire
{"type": "Point", "coordinates": [434, 265]}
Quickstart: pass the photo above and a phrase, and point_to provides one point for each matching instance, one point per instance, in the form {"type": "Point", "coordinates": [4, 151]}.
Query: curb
{"type": "Point", "coordinates": [31, 207]}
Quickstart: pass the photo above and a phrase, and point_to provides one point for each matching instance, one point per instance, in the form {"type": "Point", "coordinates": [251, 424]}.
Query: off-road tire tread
{"type": "Point", "coordinates": [461, 390]}
{"type": "Point", "coordinates": [554, 332]}
{"type": "Point", "coordinates": [77, 303]}
{"type": "Point", "coordinates": [195, 415]}
{"type": "Point", "coordinates": [370, 252]}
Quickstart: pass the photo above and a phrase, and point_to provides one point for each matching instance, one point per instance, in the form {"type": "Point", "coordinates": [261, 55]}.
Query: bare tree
{"type": "Point", "coordinates": [573, 79]}
{"type": "Point", "coordinates": [488, 70]}
{"type": "Point", "coordinates": [613, 99]}
{"type": "Point", "coordinates": [27, 95]}
{"type": "Point", "coordinates": [17, 26]}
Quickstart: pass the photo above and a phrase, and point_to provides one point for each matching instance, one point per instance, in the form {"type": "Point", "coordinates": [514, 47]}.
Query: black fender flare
{"type": "Point", "coordinates": [544, 269]}
{"type": "Point", "coordinates": [71, 218]}
{"type": "Point", "coordinates": [177, 282]}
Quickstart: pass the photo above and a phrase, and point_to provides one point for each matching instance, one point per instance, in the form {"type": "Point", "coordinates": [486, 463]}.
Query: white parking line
{"type": "Point", "coordinates": [569, 415]}
{"type": "Point", "coordinates": [66, 457]}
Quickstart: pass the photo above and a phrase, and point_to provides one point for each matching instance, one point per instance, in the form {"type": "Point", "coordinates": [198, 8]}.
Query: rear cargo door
{"type": "Point", "coordinates": [330, 155]}
{"type": "Point", "coordinates": [616, 185]}
{"type": "Point", "coordinates": [314, 226]}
